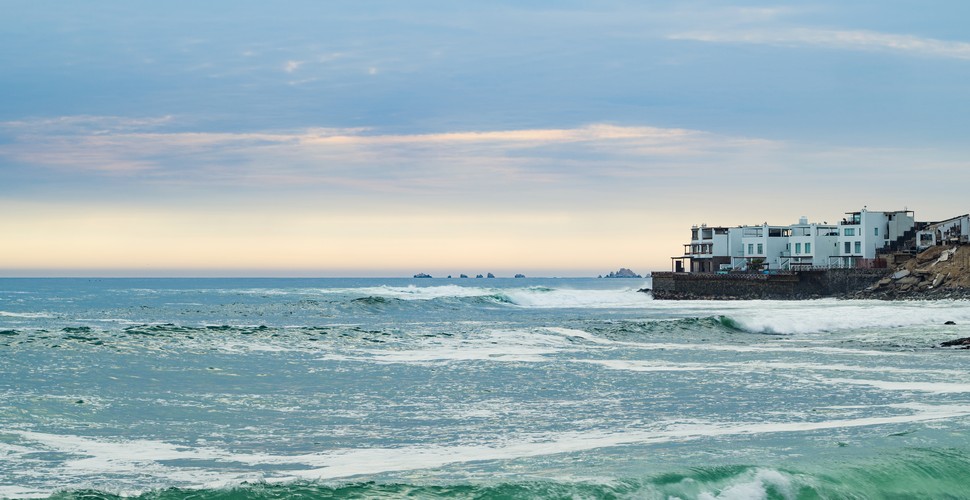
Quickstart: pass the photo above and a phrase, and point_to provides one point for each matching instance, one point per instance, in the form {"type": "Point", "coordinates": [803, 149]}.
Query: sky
{"type": "Point", "coordinates": [387, 138]}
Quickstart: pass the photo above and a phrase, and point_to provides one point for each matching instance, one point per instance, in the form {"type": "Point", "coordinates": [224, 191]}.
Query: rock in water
{"type": "Point", "coordinates": [623, 273]}
{"type": "Point", "coordinates": [422, 275]}
{"type": "Point", "coordinates": [965, 341]}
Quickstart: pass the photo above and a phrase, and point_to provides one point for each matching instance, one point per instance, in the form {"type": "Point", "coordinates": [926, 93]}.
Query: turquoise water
{"type": "Point", "coordinates": [472, 388]}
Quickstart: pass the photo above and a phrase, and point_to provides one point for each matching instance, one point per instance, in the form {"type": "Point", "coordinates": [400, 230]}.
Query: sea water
{"type": "Point", "coordinates": [472, 388]}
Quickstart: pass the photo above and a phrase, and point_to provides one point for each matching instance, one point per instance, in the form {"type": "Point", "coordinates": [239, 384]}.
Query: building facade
{"type": "Point", "coordinates": [710, 249]}
{"type": "Point", "coordinates": [854, 242]}
{"type": "Point", "coordinates": [862, 234]}
{"type": "Point", "coordinates": [950, 231]}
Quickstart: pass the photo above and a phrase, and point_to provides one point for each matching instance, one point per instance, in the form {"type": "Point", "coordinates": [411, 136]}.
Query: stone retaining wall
{"type": "Point", "coordinates": [791, 285]}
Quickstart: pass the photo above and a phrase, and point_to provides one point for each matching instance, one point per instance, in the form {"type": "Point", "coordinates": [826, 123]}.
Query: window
{"type": "Point", "coordinates": [808, 248]}
{"type": "Point", "coordinates": [848, 247]}
{"type": "Point", "coordinates": [761, 249]}
{"type": "Point", "coordinates": [798, 248]}
{"type": "Point", "coordinates": [850, 231]}
{"type": "Point", "coordinates": [858, 247]}
{"type": "Point", "coordinates": [876, 231]}
{"type": "Point", "coordinates": [750, 248]}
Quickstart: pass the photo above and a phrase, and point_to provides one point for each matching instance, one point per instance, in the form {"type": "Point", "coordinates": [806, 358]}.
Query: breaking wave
{"type": "Point", "coordinates": [911, 473]}
{"type": "Point", "coordinates": [537, 297]}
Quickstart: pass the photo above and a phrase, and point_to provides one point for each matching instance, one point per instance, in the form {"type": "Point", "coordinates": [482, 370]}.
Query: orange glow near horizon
{"type": "Point", "coordinates": [67, 238]}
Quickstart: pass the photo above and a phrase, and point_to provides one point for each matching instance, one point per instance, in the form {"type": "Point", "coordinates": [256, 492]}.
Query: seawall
{"type": "Point", "coordinates": [789, 285]}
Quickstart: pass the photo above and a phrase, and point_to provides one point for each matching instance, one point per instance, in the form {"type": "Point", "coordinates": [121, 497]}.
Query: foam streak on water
{"type": "Point", "coordinates": [473, 389]}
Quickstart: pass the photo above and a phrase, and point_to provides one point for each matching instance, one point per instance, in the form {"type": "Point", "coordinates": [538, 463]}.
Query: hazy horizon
{"type": "Point", "coordinates": [387, 138]}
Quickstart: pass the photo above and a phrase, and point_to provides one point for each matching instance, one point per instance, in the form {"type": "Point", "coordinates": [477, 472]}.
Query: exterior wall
{"type": "Point", "coordinates": [901, 223]}
{"type": "Point", "coordinates": [812, 244]}
{"type": "Point", "coordinates": [796, 285]}
{"type": "Point", "coordinates": [760, 242]}
{"type": "Point", "coordinates": [712, 247]}
{"type": "Point", "coordinates": [873, 231]}
{"type": "Point", "coordinates": [859, 232]}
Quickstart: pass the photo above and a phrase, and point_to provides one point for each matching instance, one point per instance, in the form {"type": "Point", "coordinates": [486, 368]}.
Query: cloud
{"type": "Point", "coordinates": [85, 124]}
{"type": "Point", "coordinates": [836, 39]}
{"type": "Point", "coordinates": [292, 66]}
{"type": "Point", "coordinates": [364, 163]}
{"type": "Point", "coordinates": [356, 156]}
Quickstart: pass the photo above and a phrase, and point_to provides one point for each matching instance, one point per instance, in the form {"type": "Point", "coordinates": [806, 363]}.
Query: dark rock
{"type": "Point", "coordinates": [479, 276]}
{"type": "Point", "coordinates": [490, 275]}
{"type": "Point", "coordinates": [965, 341]}
{"type": "Point", "coordinates": [520, 276]}
{"type": "Point", "coordinates": [950, 323]}
{"type": "Point", "coordinates": [623, 273]}
{"type": "Point", "coordinates": [462, 275]}
{"type": "Point", "coordinates": [422, 275]}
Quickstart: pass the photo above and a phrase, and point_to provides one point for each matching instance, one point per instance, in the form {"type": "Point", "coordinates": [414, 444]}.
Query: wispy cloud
{"type": "Point", "coordinates": [836, 39]}
{"type": "Point", "coordinates": [365, 158]}
{"type": "Point", "coordinates": [84, 124]}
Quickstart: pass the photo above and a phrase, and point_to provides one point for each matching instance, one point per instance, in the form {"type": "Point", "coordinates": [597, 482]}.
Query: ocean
{"type": "Point", "coordinates": [472, 388]}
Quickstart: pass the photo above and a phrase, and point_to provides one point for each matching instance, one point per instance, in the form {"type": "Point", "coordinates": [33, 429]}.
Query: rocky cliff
{"type": "Point", "coordinates": [940, 272]}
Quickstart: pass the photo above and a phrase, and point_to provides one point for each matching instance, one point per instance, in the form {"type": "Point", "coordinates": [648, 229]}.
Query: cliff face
{"type": "Point", "coordinates": [940, 272]}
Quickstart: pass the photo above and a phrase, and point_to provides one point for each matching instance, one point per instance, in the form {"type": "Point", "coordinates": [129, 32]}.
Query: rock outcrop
{"type": "Point", "coordinates": [422, 275]}
{"type": "Point", "coordinates": [940, 272]}
{"type": "Point", "coordinates": [963, 343]}
{"type": "Point", "coordinates": [623, 273]}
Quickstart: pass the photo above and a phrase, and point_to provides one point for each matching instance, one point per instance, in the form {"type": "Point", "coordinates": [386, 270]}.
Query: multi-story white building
{"type": "Point", "coordinates": [812, 244]}
{"type": "Point", "coordinates": [853, 242]}
{"type": "Point", "coordinates": [764, 246]}
{"type": "Point", "coordinates": [863, 234]}
{"type": "Point", "coordinates": [710, 249]}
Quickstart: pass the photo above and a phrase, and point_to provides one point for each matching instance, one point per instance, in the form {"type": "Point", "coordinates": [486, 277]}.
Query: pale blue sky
{"type": "Point", "coordinates": [547, 137]}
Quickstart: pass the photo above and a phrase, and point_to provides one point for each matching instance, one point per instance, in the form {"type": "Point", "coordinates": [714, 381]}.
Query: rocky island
{"type": "Point", "coordinates": [622, 273]}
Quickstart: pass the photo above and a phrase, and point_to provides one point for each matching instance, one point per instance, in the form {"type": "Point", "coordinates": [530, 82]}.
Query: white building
{"type": "Point", "coordinates": [854, 242]}
{"type": "Point", "coordinates": [764, 246]}
{"type": "Point", "coordinates": [950, 231]}
{"type": "Point", "coordinates": [812, 244]}
{"type": "Point", "coordinates": [710, 249]}
{"type": "Point", "coordinates": [863, 234]}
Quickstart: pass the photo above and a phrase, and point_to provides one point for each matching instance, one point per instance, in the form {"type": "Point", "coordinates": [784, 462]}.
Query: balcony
{"type": "Point", "coordinates": [699, 250]}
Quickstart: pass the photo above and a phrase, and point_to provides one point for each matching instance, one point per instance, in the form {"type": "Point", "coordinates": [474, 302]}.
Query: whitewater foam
{"type": "Point", "coordinates": [491, 345]}
{"type": "Point", "coordinates": [10, 314]}
{"type": "Point", "coordinates": [905, 386]}
{"type": "Point", "coordinates": [154, 460]}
